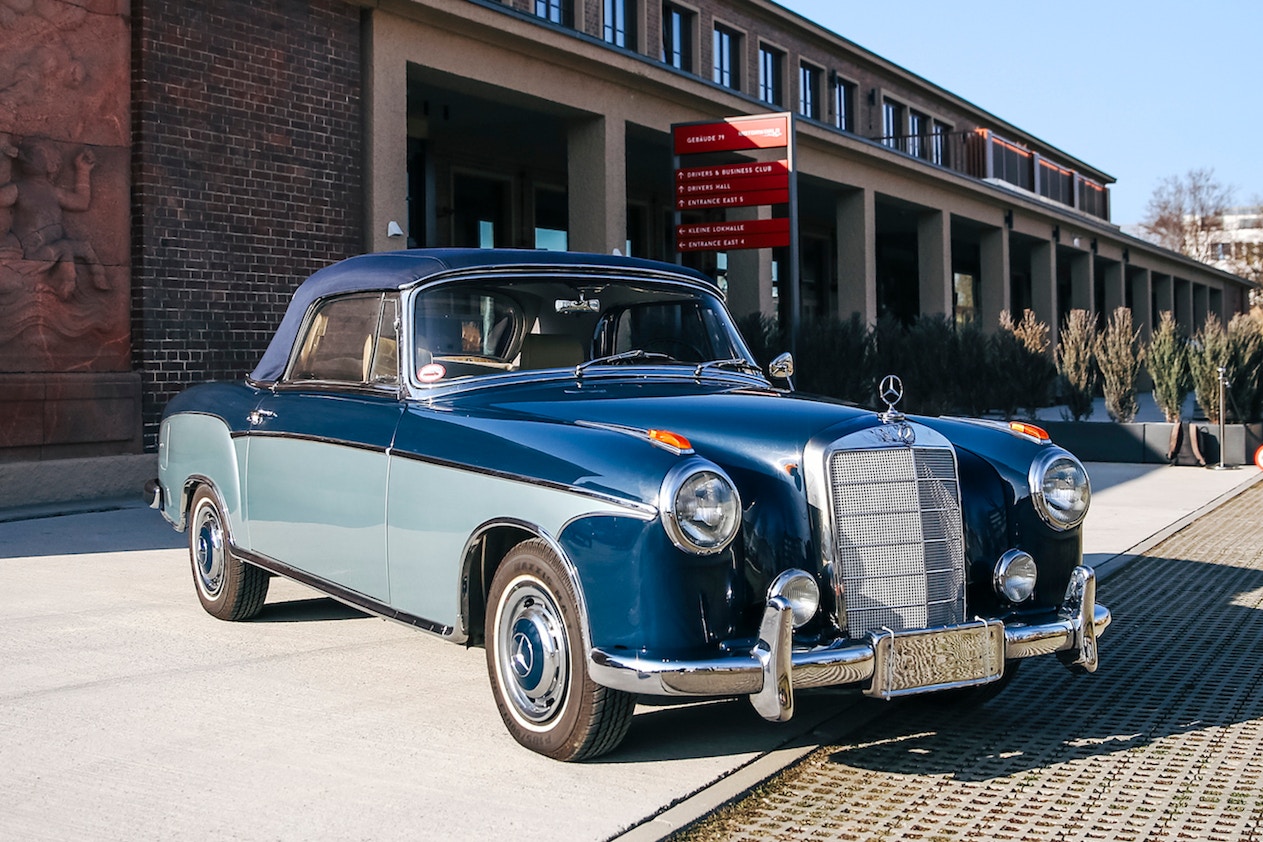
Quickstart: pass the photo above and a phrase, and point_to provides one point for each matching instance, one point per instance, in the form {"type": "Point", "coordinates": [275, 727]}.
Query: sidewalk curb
{"type": "Point", "coordinates": [1116, 563]}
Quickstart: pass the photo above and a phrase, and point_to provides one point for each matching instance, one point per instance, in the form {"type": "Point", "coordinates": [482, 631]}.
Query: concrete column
{"type": "Point", "coordinates": [857, 255]}
{"type": "Point", "coordinates": [750, 272]}
{"type": "Point", "coordinates": [597, 159]}
{"type": "Point", "coordinates": [934, 259]}
{"type": "Point", "coordinates": [1184, 305]}
{"type": "Point", "coordinates": [1163, 296]}
{"type": "Point", "coordinates": [1141, 281]}
{"type": "Point", "coordinates": [1216, 305]}
{"type": "Point", "coordinates": [1201, 303]}
{"type": "Point", "coordinates": [1044, 287]}
{"type": "Point", "coordinates": [1115, 293]}
{"type": "Point", "coordinates": [1082, 294]}
{"type": "Point", "coordinates": [997, 293]}
{"type": "Point", "coordinates": [386, 152]}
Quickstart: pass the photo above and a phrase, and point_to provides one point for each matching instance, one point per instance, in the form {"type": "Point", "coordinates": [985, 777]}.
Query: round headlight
{"type": "Point", "coordinates": [1060, 489]}
{"type": "Point", "coordinates": [800, 588]}
{"type": "Point", "coordinates": [1015, 575]}
{"type": "Point", "coordinates": [700, 508]}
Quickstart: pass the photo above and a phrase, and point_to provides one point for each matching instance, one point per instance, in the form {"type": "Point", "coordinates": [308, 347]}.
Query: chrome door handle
{"type": "Point", "coordinates": [258, 415]}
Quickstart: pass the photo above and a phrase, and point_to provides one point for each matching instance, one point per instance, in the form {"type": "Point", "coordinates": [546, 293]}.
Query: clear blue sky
{"type": "Point", "coordinates": [1141, 89]}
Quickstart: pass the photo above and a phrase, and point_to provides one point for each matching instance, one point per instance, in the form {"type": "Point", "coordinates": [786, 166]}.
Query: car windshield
{"type": "Point", "coordinates": [478, 328]}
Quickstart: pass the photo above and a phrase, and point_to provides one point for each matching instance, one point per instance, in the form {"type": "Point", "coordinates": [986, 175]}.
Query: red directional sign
{"type": "Point", "coordinates": [730, 236]}
{"type": "Point", "coordinates": [733, 134]}
{"type": "Point", "coordinates": [739, 199]}
{"type": "Point", "coordinates": [738, 184]}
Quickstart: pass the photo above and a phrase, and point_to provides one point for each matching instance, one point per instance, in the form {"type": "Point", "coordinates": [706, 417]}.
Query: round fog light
{"type": "Point", "coordinates": [800, 588]}
{"type": "Point", "coordinates": [1015, 575]}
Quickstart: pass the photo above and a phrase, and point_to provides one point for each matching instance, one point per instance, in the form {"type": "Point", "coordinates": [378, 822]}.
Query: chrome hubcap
{"type": "Point", "coordinates": [208, 551]}
{"type": "Point", "coordinates": [532, 652]}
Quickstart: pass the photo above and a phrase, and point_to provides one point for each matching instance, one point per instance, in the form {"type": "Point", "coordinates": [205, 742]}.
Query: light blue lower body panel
{"type": "Point", "coordinates": [435, 509]}
{"type": "Point", "coordinates": [320, 508]}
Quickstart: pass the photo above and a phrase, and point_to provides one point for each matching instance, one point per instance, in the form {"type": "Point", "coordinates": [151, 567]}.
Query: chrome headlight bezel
{"type": "Point", "coordinates": [688, 533]}
{"type": "Point", "coordinates": [801, 590]}
{"type": "Point", "coordinates": [1057, 515]}
{"type": "Point", "coordinates": [1010, 571]}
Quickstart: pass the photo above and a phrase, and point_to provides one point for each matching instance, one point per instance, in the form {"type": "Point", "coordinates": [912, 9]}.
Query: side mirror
{"type": "Point", "coordinates": [781, 368]}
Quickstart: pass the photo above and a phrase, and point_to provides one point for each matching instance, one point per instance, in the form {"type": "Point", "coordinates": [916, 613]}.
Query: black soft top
{"type": "Point", "coordinates": [396, 270]}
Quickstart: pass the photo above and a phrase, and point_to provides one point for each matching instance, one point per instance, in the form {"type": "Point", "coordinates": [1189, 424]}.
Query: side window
{"type": "Point", "coordinates": [353, 339]}
{"type": "Point", "coordinates": [466, 332]}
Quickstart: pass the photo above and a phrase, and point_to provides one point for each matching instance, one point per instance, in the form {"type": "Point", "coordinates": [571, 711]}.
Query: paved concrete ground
{"type": "Point", "coordinates": [1164, 742]}
{"type": "Point", "coordinates": [126, 712]}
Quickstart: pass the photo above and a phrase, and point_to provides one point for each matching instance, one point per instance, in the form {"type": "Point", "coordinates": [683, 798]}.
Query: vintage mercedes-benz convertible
{"type": "Point", "coordinates": [574, 461]}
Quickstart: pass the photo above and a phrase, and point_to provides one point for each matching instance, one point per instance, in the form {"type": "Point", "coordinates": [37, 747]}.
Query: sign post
{"type": "Point", "coordinates": [743, 183]}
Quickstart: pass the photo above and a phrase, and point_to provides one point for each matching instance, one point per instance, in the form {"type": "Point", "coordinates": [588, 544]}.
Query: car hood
{"type": "Point", "coordinates": [732, 425]}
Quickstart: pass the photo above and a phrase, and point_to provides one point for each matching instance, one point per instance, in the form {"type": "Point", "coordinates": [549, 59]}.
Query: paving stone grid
{"type": "Point", "coordinates": [1165, 742]}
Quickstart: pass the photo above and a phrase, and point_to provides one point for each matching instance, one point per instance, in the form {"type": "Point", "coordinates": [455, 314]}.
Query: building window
{"type": "Point", "coordinates": [892, 124]}
{"type": "Point", "coordinates": [844, 105]}
{"type": "Point", "coordinates": [771, 76]}
{"type": "Point", "coordinates": [809, 91]}
{"type": "Point", "coordinates": [557, 11]}
{"type": "Point", "coordinates": [727, 57]}
{"type": "Point", "coordinates": [620, 23]}
{"type": "Point", "coordinates": [677, 37]}
{"type": "Point", "coordinates": [938, 144]}
{"type": "Point", "coordinates": [918, 134]}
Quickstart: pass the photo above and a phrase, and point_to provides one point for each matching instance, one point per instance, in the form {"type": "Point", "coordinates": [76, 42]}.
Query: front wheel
{"type": "Point", "coordinates": [537, 665]}
{"type": "Point", "coordinates": [227, 587]}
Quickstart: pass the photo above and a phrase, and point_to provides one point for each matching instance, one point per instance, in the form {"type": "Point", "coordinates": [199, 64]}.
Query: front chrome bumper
{"type": "Point", "coordinates": [773, 668]}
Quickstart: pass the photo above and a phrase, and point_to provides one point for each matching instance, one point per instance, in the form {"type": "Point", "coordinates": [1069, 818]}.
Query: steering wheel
{"type": "Point", "coordinates": [677, 349]}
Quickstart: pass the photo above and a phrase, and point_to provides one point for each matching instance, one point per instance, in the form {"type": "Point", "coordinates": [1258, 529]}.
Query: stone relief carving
{"type": "Point", "coordinates": [37, 217]}
{"type": "Point", "coordinates": [64, 169]}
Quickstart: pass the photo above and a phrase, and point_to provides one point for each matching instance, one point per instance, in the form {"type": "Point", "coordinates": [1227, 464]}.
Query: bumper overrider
{"type": "Point", "coordinates": [887, 664]}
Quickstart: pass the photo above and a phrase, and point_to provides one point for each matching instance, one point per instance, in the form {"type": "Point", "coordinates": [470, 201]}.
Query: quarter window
{"type": "Point", "coordinates": [353, 339]}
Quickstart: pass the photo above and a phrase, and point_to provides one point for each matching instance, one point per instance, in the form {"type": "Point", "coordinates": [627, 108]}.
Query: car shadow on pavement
{"type": "Point", "coordinates": [675, 730]}
{"type": "Point", "coordinates": [307, 610]}
{"type": "Point", "coordinates": [1181, 657]}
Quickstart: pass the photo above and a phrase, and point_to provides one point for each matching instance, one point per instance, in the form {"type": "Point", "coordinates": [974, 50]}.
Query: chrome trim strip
{"type": "Point", "coordinates": [843, 662]}
{"type": "Point", "coordinates": [341, 594]}
{"type": "Point", "coordinates": [353, 445]}
{"type": "Point", "coordinates": [637, 509]}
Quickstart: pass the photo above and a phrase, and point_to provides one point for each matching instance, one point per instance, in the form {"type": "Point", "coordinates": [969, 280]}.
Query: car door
{"type": "Point", "coordinates": [316, 459]}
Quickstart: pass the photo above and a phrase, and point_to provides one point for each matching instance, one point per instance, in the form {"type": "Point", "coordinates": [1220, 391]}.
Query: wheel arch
{"type": "Point", "coordinates": [486, 548]}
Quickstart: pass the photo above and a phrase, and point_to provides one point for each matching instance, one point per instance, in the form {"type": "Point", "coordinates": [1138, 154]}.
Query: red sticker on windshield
{"type": "Point", "coordinates": [431, 372]}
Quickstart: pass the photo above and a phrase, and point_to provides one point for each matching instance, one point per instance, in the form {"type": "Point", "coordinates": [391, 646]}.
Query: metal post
{"type": "Point", "coordinates": [1223, 412]}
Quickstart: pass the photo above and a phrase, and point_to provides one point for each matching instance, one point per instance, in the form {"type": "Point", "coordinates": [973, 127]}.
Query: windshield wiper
{"type": "Point", "coordinates": [625, 356]}
{"type": "Point", "coordinates": [738, 363]}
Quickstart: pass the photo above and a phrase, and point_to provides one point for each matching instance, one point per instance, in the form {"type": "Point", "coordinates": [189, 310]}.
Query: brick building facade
{"type": "Point", "coordinates": [247, 168]}
{"type": "Point", "coordinates": [231, 148]}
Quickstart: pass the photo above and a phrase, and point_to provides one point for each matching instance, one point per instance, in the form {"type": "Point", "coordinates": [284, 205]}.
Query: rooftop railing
{"type": "Point", "coordinates": [985, 155]}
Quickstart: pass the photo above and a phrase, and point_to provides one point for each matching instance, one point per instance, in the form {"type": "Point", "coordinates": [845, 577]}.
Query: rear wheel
{"type": "Point", "coordinates": [537, 665]}
{"type": "Point", "coordinates": [227, 587]}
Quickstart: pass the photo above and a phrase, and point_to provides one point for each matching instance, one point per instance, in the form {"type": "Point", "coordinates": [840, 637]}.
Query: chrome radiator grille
{"type": "Point", "coordinates": [898, 537]}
